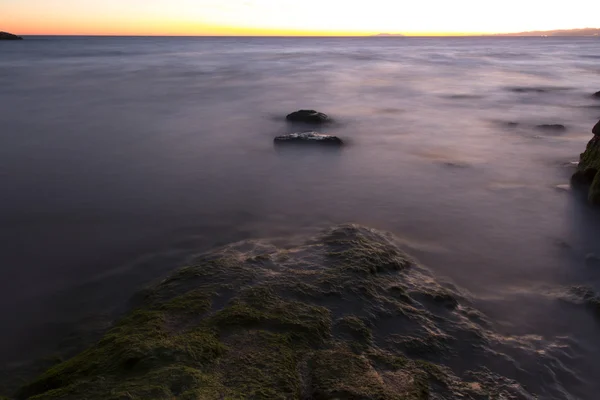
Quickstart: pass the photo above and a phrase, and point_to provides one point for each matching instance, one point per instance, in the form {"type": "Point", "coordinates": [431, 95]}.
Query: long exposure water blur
{"type": "Point", "coordinates": [120, 157]}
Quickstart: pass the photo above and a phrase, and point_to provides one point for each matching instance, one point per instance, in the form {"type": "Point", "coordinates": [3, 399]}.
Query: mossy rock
{"type": "Point", "coordinates": [310, 322]}
{"type": "Point", "coordinates": [587, 170]}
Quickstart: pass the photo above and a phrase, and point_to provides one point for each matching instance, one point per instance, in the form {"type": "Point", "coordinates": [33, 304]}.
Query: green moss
{"type": "Point", "coordinates": [353, 250]}
{"type": "Point", "coordinates": [587, 171]}
{"type": "Point", "coordinates": [139, 344]}
{"type": "Point", "coordinates": [259, 307]}
{"type": "Point", "coordinates": [194, 302]}
{"type": "Point", "coordinates": [340, 374]}
{"type": "Point", "coordinates": [264, 365]}
{"type": "Point", "coordinates": [355, 329]}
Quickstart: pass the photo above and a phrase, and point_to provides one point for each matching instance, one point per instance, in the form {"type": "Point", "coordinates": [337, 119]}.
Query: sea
{"type": "Point", "coordinates": [120, 157]}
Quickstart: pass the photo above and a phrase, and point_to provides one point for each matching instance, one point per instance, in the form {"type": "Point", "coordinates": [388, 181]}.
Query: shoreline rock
{"type": "Point", "coordinates": [9, 36]}
{"type": "Point", "coordinates": [588, 167]}
{"type": "Point", "coordinates": [345, 315]}
{"type": "Point", "coordinates": [308, 138]}
{"type": "Point", "coordinates": [596, 95]}
{"type": "Point", "coordinates": [308, 117]}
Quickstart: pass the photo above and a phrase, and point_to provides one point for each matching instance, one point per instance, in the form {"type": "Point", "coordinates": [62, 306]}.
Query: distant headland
{"type": "Point", "coordinates": [9, 36]}
{"type": "Point", "coordinates": [388, 34]}
{"type": "Point", "coordinates": [559, 32]}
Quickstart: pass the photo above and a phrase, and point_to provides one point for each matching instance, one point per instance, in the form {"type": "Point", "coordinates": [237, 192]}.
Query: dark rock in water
{"type": "Point", "coordinates": [586, 296]}
{"type": "Point", "coordinates": [308, 138]}
{"type": "Point", "coordinates": [552, 127]}
{"type": "Point", "coordinates": [588, 167]}
{"type": "Point", "coordinates": [596, 129]}
{"type": "Point", "coordinates": [308, 116]}
{"type": "Point", "coordinates": [321, 320]}
{"type": "Point", "coordinates": [596, 95]}
{"type": "Point", "coordinates": [592, 259]}
{"type": "Point", "coordinates": [9, 36]}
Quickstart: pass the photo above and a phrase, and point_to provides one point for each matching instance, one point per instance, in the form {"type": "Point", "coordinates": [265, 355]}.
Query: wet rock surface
{"type": "Point", "coordinates": [308, 138]}
{"type": "Point", "coordinates": [308, 117]}
{"type": "Point", "coordinates": [588, 167]}
{"type": "Point", "coordinates": [552, 127]}
{"type": "Point", "coordinates": [346, 315]}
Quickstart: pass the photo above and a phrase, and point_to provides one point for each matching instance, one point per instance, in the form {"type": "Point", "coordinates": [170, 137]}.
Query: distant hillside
{"type": "Point", "coordinates": [388, 34]}
{"type": "Point", "coordinates": [563, 32]}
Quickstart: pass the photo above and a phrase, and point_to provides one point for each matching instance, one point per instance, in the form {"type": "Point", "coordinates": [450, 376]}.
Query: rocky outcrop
{"type": "Point", "coordinates": [9, 36]}
{"type": "Point", "coordinates": [596, 95]}
{"type": "Point", "coordinates": [589, 165]}
{"type": "Point", "coordinates": [308, 138]}
{"type": "Point", "coordinates": [346, 315]}
{"type": "Point", "coordinates": [308, 117]}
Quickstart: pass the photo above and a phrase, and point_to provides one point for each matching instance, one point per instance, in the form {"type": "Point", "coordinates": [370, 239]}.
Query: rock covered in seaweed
{"type": "Point", "coordinates": [589, 165]}
{"type": "Point", "coordinates": [339, 317]}
{"type": "Point", "coordinates": [308, 138]}
{"type": "Point", "coordinates": [308, 116]}
{"type": "Point", "coordinates": [9, 36]}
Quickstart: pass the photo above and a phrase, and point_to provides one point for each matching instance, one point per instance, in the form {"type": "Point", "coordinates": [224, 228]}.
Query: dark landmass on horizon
{"type": "Point", "coordinates": [9, 36]}
{"type": "Point", "coordinates": [388, 34]}
{"type": "Point", "coordinates": [559, 32]}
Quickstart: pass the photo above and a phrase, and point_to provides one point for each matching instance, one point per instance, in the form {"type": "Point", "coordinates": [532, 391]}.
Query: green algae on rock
{"type": "Point", "coordinates": [339, 317]}
{"type": "Point", "coordinates": [589, 165]}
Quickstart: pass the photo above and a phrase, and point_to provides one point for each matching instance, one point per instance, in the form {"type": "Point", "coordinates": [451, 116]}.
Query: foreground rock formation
{"type": "Point", "coordinates": [9, 36]}
{"type": "Point", "coordinates": [308, 138]}
{"type": "Point", "coordinates": [308, 117]}
{"type": "Point", "coordinates": [346, 315]}
{"type": "Point", "coordinates": [589, 165]}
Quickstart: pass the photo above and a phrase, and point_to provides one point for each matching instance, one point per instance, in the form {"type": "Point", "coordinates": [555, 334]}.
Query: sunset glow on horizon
{"type": "Point", "coordinates": [291, 17]}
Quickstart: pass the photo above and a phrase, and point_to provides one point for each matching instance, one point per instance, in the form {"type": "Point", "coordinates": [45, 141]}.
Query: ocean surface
{"type": "Point", "coordinates": [121, 157]}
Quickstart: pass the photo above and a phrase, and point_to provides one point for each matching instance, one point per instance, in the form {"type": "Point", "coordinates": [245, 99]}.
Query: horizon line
{"type": "Point", "coordinates": [375, 36]}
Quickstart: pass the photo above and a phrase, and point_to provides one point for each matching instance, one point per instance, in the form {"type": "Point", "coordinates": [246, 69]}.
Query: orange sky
{"type": "Point", "coordinates": [291, 17]}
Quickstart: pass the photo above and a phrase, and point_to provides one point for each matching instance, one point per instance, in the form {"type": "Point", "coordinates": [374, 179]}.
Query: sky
{"type": "Point", "coordinates": [293, 17]}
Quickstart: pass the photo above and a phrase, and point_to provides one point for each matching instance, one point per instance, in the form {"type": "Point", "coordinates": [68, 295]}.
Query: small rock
{"type": "Point", "coordinates": [596, 95]}
{"type": "Point", "coordinates": [592, 259]}
{"type": "Point", "coordinates": [308, 116]}
{"type": "Point", "coordinates": [308, 138]}
{"type": "Point", "coordinates": [552, 127]}
{"type": "Point", "coordinates": [9, 36]}
{"type": "Point", "coordinates": [596, 129]}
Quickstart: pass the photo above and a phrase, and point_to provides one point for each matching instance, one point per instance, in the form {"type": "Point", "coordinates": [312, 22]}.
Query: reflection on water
{"type": "Point", "coordinates": [120, 157]}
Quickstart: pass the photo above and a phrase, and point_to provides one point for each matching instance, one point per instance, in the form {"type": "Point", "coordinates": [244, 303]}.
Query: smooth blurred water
{"type": "Point", "coordinates": [120, 156]}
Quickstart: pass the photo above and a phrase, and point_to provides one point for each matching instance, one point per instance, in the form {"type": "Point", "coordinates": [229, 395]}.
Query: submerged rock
{"type": "Point", "coordinates": [589, 165]}
{"type": "Point", "coordinates": [308, 138]}
{"type": "Point", "coordinates": [9, 36]}
{"type": "Point", "coordinates": [338, 317]}
{"type": "Point", "coordinates": [552, 127]}
{"type": "Point", "coordinates": [308, 116]}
